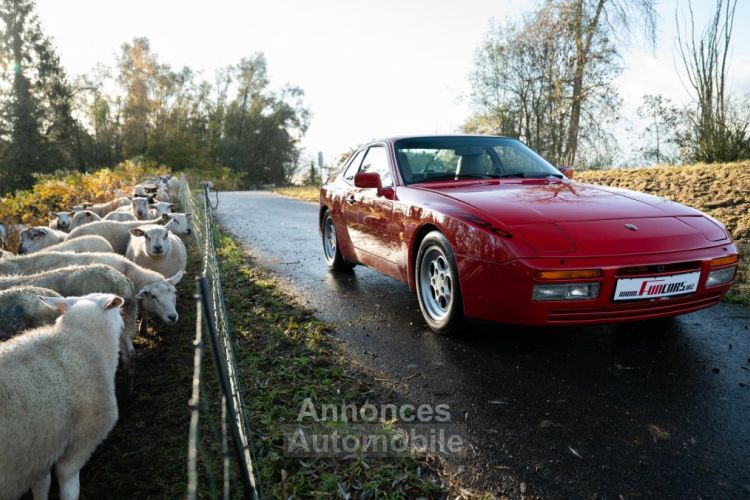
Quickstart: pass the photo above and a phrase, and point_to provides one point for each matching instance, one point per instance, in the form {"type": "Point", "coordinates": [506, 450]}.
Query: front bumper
{"type": "Point", "coordinates": [503, 292]}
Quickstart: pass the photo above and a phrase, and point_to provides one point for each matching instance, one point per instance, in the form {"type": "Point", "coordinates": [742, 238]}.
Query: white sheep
{"type": "Point", "coordinates": [21, 309]}
{"type": "Point", "coordinates": [61, 221]}
{"type": "Point", "coordinates": [102, 209]}
{"type": "Point", "coordinates": [83, 280]}
{"type": "Point", "coordinates": [159, 295]}
{"type": "Point", "coordinates": [178, 223]}
{"type": "Point", "coordinates": [80, 245]}
{"type": "Point", "coordinates": [82, 217]}
{"type": "Point", "coordinates": [160, 208]}
{"type": "Point", "coordinates": [117, 233]}
{"type": "Point", "coordinates": [119, 216]}
{"type": "Point", "coordinates": [155, 247]}
{"type": "Point", "coordinates": [141, 208]}
{"type": "Point", "coordinates": [57, 396]}
{"type": "Point", "coordinates": [34, 239]}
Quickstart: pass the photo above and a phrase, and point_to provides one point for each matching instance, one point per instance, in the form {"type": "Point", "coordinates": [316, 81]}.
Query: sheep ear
{"type": "Point", "coordinates": [137, 232]}
{"type": "Point", "coordinates": [165, 217]}
{"type": "Point", "coordinates": [141, 293]}
{"type": "Point", "coordinates": [71, 214]}
{"type": "Point", "coordinates": [54, 303]}
{"type": "Point", "coordinates": [173, 205]}
{"type": "Point", "coordinates": [113, 301]}
{"type": "Point", "coordinates": [187, 216]}
{"type": "Point", "coordinates": [176, 278]}
{"type": "Point", "coordinates": [53, 215]}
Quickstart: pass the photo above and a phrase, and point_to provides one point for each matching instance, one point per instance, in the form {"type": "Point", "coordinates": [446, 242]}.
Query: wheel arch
{"type": "Point", "coordinates": [419, 235]}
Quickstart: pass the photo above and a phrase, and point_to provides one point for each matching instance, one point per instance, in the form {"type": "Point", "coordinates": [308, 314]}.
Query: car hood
{"type": "Point", "coordinates": [529, 201]}
{"type": "Point", "coordinates": [562, 217]}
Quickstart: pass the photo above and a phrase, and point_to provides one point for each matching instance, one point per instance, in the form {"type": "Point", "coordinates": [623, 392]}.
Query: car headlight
{"type": "Point", "coordinates": [566, 291]}
{"type": "Point", "coordinates": [720, 276]}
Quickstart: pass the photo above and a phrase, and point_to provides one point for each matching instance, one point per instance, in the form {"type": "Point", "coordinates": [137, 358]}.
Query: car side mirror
{"type": "Point", "coordinates": [567, 171]}
{"type": "Point", "coordinates": [369, 180]}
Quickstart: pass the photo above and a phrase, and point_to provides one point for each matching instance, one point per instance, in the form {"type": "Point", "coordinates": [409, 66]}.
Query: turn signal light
{"type": "Point", "coordinates": [569, 274]}
{"type": "Point", "coordinates": [723, 261]}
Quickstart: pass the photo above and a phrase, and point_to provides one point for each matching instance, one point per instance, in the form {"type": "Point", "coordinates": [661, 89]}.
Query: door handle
{"type": "Point", "coordinates": [351, 200]}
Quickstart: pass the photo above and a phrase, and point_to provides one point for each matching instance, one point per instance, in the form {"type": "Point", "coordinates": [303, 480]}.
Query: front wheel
{"type": "Point", "coordinates": [438, 288]}
{"type": "Point", "coordinates": [331, 251]}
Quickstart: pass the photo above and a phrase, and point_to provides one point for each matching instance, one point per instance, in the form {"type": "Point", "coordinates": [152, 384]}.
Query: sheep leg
{"type": "Point", "coordinates": [68, 477]}
{"type": "Point", "coordinates": [40, 489]}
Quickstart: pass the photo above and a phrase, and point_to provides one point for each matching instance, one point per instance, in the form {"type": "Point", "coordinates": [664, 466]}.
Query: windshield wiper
{"type": "Point", "coordinates": [520, 175]}
{"type": "Point", "coordinates": [544, 176]}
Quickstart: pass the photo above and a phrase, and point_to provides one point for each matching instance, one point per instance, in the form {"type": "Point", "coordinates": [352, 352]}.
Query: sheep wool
{"type": "Point", "coordinates": [57, 396]}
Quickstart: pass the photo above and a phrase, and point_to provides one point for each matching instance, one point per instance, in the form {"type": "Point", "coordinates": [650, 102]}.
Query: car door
{"type": "Point", "coordinates": [376, 211]}
{"type": "Point", "coordinates": [350, 207]}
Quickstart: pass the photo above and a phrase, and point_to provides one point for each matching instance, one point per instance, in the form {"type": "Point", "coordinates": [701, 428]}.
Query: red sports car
{"type": "Point", "coordinates": [483, 227]}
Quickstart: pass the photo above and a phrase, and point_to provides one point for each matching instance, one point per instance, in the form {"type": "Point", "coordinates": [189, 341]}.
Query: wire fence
{"type": "Point", "coordinates": [220, 465]}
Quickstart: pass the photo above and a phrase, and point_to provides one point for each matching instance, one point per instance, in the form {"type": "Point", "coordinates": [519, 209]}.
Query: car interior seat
{"type": "Point", "coordinates": [471, 165]}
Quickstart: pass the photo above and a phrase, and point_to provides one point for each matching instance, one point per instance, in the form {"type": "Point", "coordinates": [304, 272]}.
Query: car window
{"type": "Point", "coordinates": [376, 160]}
{"type": "Point", "coordinates": [514, 158]}
{"type": "Point", "coordinates": [424, 163]}
{"type": "Point", "coordinates": [353, 167]}
{"type": "Point", "coordinates": [447, 158]}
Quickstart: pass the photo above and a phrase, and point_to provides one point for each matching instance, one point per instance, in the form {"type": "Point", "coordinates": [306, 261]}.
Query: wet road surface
{"type": "Point", "coordinates": [655, 409]}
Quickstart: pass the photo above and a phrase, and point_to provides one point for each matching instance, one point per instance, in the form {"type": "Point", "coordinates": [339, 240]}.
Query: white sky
{"type": "Point", "coordinates": [369, 69]}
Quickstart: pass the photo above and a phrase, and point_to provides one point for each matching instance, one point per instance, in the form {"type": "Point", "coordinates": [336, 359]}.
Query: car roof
{"type": "Point", "coordinates": [393, 139]}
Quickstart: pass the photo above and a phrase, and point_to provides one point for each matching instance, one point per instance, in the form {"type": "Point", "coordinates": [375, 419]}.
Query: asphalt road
{"type": "Point", "coordinates": [656, 409]}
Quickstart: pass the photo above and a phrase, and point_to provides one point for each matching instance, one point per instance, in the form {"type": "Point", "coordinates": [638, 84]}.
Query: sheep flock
{"type": "Point", "coordinates": [72, 295]}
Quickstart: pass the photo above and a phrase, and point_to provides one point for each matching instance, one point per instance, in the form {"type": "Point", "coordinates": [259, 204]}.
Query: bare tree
{"type": "Point", "coordinates": [548, 80]}
{"type": "Point", "coordinates": [714, 133]}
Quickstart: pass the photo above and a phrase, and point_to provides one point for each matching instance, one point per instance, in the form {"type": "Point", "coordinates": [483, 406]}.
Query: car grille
{"type": "Point", "coordinates": [625, 312]}
{"type": "Point", "coordinates": [676, 267]}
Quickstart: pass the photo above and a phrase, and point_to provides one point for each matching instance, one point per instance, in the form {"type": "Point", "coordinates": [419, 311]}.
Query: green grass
{"type": "Point", "coordinates": [286, 355]}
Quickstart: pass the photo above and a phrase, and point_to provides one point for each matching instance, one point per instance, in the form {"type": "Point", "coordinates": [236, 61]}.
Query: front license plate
{"type": "Point", "coordinates": [657, 286]}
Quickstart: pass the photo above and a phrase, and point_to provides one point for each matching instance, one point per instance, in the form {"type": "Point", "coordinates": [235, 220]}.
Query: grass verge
{"type": "Point", "coordinates": [286, 355]}
{"type": "Point", "coordinates": [304, 193]}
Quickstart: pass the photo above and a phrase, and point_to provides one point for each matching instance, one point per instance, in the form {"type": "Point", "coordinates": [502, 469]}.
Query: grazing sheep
{"type": "Point", "coordinates": [80, 245]}
{"type": "Point", "coordinates": [82, 217]}
{"type": "Point", "coordinates": [21, 309]}
{"type": "Point", "coordinates": [178, 223]}
{"type": "Point", "coordinates": [161, 208]}
{"type": "Point", "coordinates": [61, 221]}
{"type": "Point", "coordinates": [83, 280]}
{"type": "Point", "coordinates": [34, 239]}
{"type": "Point", "coordinates": [57, 396]}
{"type": "Point", "coordinates": [119, 216]}
{"type": "Point", "coordinates": [161, 302]}
{"type": "Point", "coordinates": [101, 209]}
{"type": "Point", "coordinates": [117, 233]}
{"type": "Point", "coordinates": [156, 248]}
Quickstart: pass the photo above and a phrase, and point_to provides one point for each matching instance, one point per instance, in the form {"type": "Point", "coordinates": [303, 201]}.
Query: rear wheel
{"type": "Point", "coordinates": [438, 289]}
{"type": "Point", "coordinates": [331, 251]}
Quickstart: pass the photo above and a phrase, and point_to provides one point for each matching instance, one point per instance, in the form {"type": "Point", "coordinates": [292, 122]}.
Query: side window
{"type": "Point", "coordinates": [353, 167]}
{"type": "Point", "coordinates": [376, 160]}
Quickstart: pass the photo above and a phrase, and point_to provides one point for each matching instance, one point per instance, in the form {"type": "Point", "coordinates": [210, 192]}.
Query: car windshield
{"type": "Point", "coordinates": [452, 158]}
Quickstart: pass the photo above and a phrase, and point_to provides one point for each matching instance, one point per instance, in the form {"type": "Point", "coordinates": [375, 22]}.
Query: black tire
{"type": "Point", "coordinates": [331, 252]}
{"type": "Point", "coordinates": [438, 287]}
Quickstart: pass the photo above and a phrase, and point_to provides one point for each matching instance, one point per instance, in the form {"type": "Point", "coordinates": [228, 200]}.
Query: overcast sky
{"type": "Point", "coordinates": [369, 69]}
